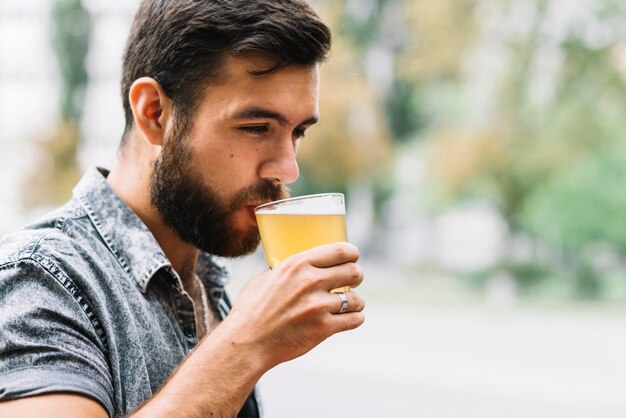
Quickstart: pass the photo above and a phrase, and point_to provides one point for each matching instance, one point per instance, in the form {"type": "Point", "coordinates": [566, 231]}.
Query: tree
{"type": "Point", "coordinates": [532, 144]}
{"type": "Point", "coordinates": [56, 169]}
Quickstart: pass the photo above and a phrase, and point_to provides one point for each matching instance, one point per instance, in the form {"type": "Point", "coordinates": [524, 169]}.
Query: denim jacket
{"type": "Point", "coordinates": [90, 304]}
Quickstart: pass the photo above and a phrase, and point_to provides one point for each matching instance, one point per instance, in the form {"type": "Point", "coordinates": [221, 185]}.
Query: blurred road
{"type": "Point", "coordinates": [425, 352]}
{"type": "Point", "coordinates": [442, 362]}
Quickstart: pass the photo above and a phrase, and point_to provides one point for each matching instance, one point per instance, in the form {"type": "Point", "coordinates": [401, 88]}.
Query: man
{"type": "Point", "coordinates": [113, 304]}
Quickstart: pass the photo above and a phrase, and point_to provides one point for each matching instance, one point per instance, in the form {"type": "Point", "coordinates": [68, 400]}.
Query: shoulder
{"type": "Point", "coordinates": [42, 267]}
{"type": "Point", "coordinates": [47, 237]}
{"type": "Point", "coordinates": [47, 254]}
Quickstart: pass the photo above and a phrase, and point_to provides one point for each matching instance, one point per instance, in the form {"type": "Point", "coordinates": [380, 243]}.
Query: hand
{"type": "Point", "coordinates": [287, 311]}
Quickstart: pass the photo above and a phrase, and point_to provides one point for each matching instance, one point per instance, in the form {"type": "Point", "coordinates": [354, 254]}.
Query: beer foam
{"type": "Point", "coordinates": [314, 206]}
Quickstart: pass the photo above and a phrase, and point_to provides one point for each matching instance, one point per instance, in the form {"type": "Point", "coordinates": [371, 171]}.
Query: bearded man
{"type": "Point", "coordinates": [114, 304]}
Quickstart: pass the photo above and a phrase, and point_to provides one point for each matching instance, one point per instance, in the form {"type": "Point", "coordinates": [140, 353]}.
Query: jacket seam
{"type": "Point", "coordinates": [51, 368]}
{"type": "Point", "coordinates": [55, 271]}
{"type": "Point", "coordinates": [95, 219]}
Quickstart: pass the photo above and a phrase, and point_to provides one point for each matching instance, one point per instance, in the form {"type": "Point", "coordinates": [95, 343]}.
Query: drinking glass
{"type": "Point", "coordinates": [290, 226]}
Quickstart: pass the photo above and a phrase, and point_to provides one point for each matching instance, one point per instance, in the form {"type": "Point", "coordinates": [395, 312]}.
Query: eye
{"type": "Point", "coordinates": [255, 129]}
{"type": "Point", "coordinates": [299, 132]}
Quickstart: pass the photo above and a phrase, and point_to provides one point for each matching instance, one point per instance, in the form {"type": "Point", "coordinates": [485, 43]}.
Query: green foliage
{"type": "Point", "coordinates": [528, 275]}
{"type": "Point", "coordinates": [362, 22]}
{"type": "Point", "coordinates": [552, 164]}
{"type": "Point", "coordinates": [405, 110]}
{"type": "Point", "coordinates": [70, 40]}
{"type": "Point", "coordinates": [426, 42]}
{"type": "Point", "coordinates": [584, 205]}
{"type": "Point", "coordinates": [55, 169]}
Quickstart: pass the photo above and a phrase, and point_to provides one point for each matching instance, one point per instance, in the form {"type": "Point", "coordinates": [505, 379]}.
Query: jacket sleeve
{"type": "Point", "coordinates": [47, 340]}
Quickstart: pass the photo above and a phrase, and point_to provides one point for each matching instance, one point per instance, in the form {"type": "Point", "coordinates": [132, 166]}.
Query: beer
{"type": "Point", "coordinates": [293, 225]}
{"type": "Point", "coordinates": [284, 235]}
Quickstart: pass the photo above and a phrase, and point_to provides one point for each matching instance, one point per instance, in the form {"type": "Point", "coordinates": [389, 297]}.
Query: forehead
{"type": "Point", "coordinates": [252, 69]}
{"type": "Point", "coordinates": [292, 90]}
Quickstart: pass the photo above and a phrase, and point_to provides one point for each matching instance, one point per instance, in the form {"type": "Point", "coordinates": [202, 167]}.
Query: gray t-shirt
{"type": "Point", "coordinates": [90, 304]}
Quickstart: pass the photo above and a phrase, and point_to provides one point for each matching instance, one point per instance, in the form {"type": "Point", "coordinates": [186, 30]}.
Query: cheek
{"type": "Point", "coordinates": [230, 169]}
{"type": "Point", "coordinates": [226, 161]}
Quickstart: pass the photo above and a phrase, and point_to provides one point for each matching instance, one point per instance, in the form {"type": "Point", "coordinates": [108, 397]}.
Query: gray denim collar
{"type": "Point", "coordinates": [129, 239]}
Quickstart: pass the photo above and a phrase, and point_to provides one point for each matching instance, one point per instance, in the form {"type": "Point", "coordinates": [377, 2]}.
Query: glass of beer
{"type": "Point", "coordinates": [293, 225]}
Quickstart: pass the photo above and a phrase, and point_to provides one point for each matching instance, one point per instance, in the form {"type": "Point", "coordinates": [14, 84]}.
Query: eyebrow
{"type": "Point", "coordinates": [261, 113]}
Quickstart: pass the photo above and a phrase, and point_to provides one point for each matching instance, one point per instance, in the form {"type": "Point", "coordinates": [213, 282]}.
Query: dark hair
{"type": "Point", "coordinates": [182, 43]}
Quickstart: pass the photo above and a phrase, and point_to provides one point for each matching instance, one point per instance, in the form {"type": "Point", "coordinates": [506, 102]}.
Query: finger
{"type": "Point", "coordinates": [355, 302]}
{"type": "Point", "coordinates": [337, 277]}
{"type": "Point", "coordinates": [329, 255]}
{"type": "Point", "coordinates": [347, 321]}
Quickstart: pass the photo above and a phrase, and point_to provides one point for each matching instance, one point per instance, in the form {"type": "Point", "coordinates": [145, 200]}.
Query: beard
{"type": "Point", "coordinates": [195, 211]}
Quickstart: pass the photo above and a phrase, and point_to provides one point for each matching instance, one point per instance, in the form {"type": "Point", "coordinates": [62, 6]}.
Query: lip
{"type": "Point", "coordinates": [255, 205]}
{"type": "Point", "coordinates": [251, 211]}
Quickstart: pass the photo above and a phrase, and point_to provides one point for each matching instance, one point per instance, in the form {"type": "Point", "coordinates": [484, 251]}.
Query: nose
{"type": "Point", "coordinates": [281, 166]}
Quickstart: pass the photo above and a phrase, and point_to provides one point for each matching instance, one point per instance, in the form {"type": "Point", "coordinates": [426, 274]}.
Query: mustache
{"type": "Point", "coordinates": [263, 192]}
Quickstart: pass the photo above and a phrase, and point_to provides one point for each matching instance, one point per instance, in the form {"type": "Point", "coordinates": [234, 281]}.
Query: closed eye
{"type": "Point", "coordinates": [255, 129]}
{"type": "Point", "coordinates": [299, 132]}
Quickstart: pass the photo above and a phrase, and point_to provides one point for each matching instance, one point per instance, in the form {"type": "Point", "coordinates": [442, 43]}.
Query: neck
{"type": "Point", "coordinates": [131, 182]}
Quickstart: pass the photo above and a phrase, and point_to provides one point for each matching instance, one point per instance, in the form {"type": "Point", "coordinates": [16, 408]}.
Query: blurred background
{"type": "Point", "coordinates": [482, 148]}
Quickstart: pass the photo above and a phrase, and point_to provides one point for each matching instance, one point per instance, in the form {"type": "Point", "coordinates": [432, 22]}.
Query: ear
{"type": "Point", "coordinates": [151, 109]}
